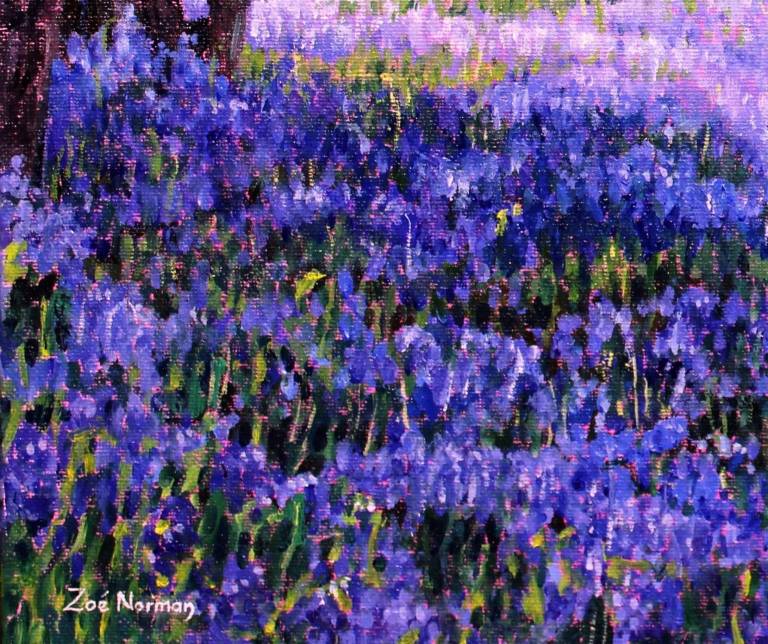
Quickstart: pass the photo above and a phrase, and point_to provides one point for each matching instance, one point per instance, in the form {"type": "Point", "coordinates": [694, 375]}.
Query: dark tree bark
{"type": "Point", "coordinates": [86, 17]}
{"type": "Point", "coordinates": [29, 42]}
{"type": "Point", "coordinates": [163, 19]}
{"type": "Point", "coordinates": [227, 28]}
{"type": "Point", "coordinates": [33, 33]}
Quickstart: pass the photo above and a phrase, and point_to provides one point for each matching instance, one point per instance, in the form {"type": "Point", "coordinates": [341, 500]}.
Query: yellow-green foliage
{"type": "Point", "coordinates": [373, 70]}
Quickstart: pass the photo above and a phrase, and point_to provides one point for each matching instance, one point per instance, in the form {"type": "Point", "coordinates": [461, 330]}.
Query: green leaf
{"type": "Point", "coordinates": [411, 637]}
{"type": "Point", "coordinates": [11, 424]}
{"type": "Point", "coordinates": [306, 283]}
{"type": "Point", "coordinates": [156, 156]}
{"type": "Point", "coordinates": [372, 576]}
{"type": "Point", "coordinates": [738, 638]}
{"type": "Point", "coordinates": [533, 602]}
{"type": "Point", "coordinates": [618, 567]}
{"type": "Point", "coordinates": [12, 269]}
{"type": "Point", "coordinates": [343, 600]}
{"type": "Point", "coordinates": [501, 222]}
{"type": "Point", "coordinates": [259, 372]}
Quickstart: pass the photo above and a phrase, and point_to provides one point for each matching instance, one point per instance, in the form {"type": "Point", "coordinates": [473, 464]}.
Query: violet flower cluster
{"type": "Point", "coordinates": [338, 366]}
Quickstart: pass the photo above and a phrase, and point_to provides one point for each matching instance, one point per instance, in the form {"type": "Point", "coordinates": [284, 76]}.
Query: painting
{"type": "Point", "coordinates": [399, 321]}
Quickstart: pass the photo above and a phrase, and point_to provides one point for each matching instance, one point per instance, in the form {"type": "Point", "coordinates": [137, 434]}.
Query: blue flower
{"type": "Point", "coordinates": [666, 434]}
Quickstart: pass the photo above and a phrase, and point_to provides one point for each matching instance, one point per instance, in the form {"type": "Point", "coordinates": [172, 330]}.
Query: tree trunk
{"type": "Point", "coordinates": [85, 17]}
{"type": "Point", "coordinates": [227, 28]}
{"type": "Point", "coordinates": [162, 19]}
{"type": "Point", "coordinates": [33, 33]}
{"type": "Point", "coordinates": [29, 42]}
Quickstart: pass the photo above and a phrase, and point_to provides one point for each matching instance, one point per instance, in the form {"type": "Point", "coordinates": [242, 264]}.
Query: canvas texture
{"type": "Point", "coordinates": [411, 321]}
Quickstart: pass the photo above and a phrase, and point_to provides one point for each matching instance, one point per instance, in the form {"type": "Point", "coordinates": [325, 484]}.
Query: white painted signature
{"type": "Point", "coordinates": [127, 602]}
